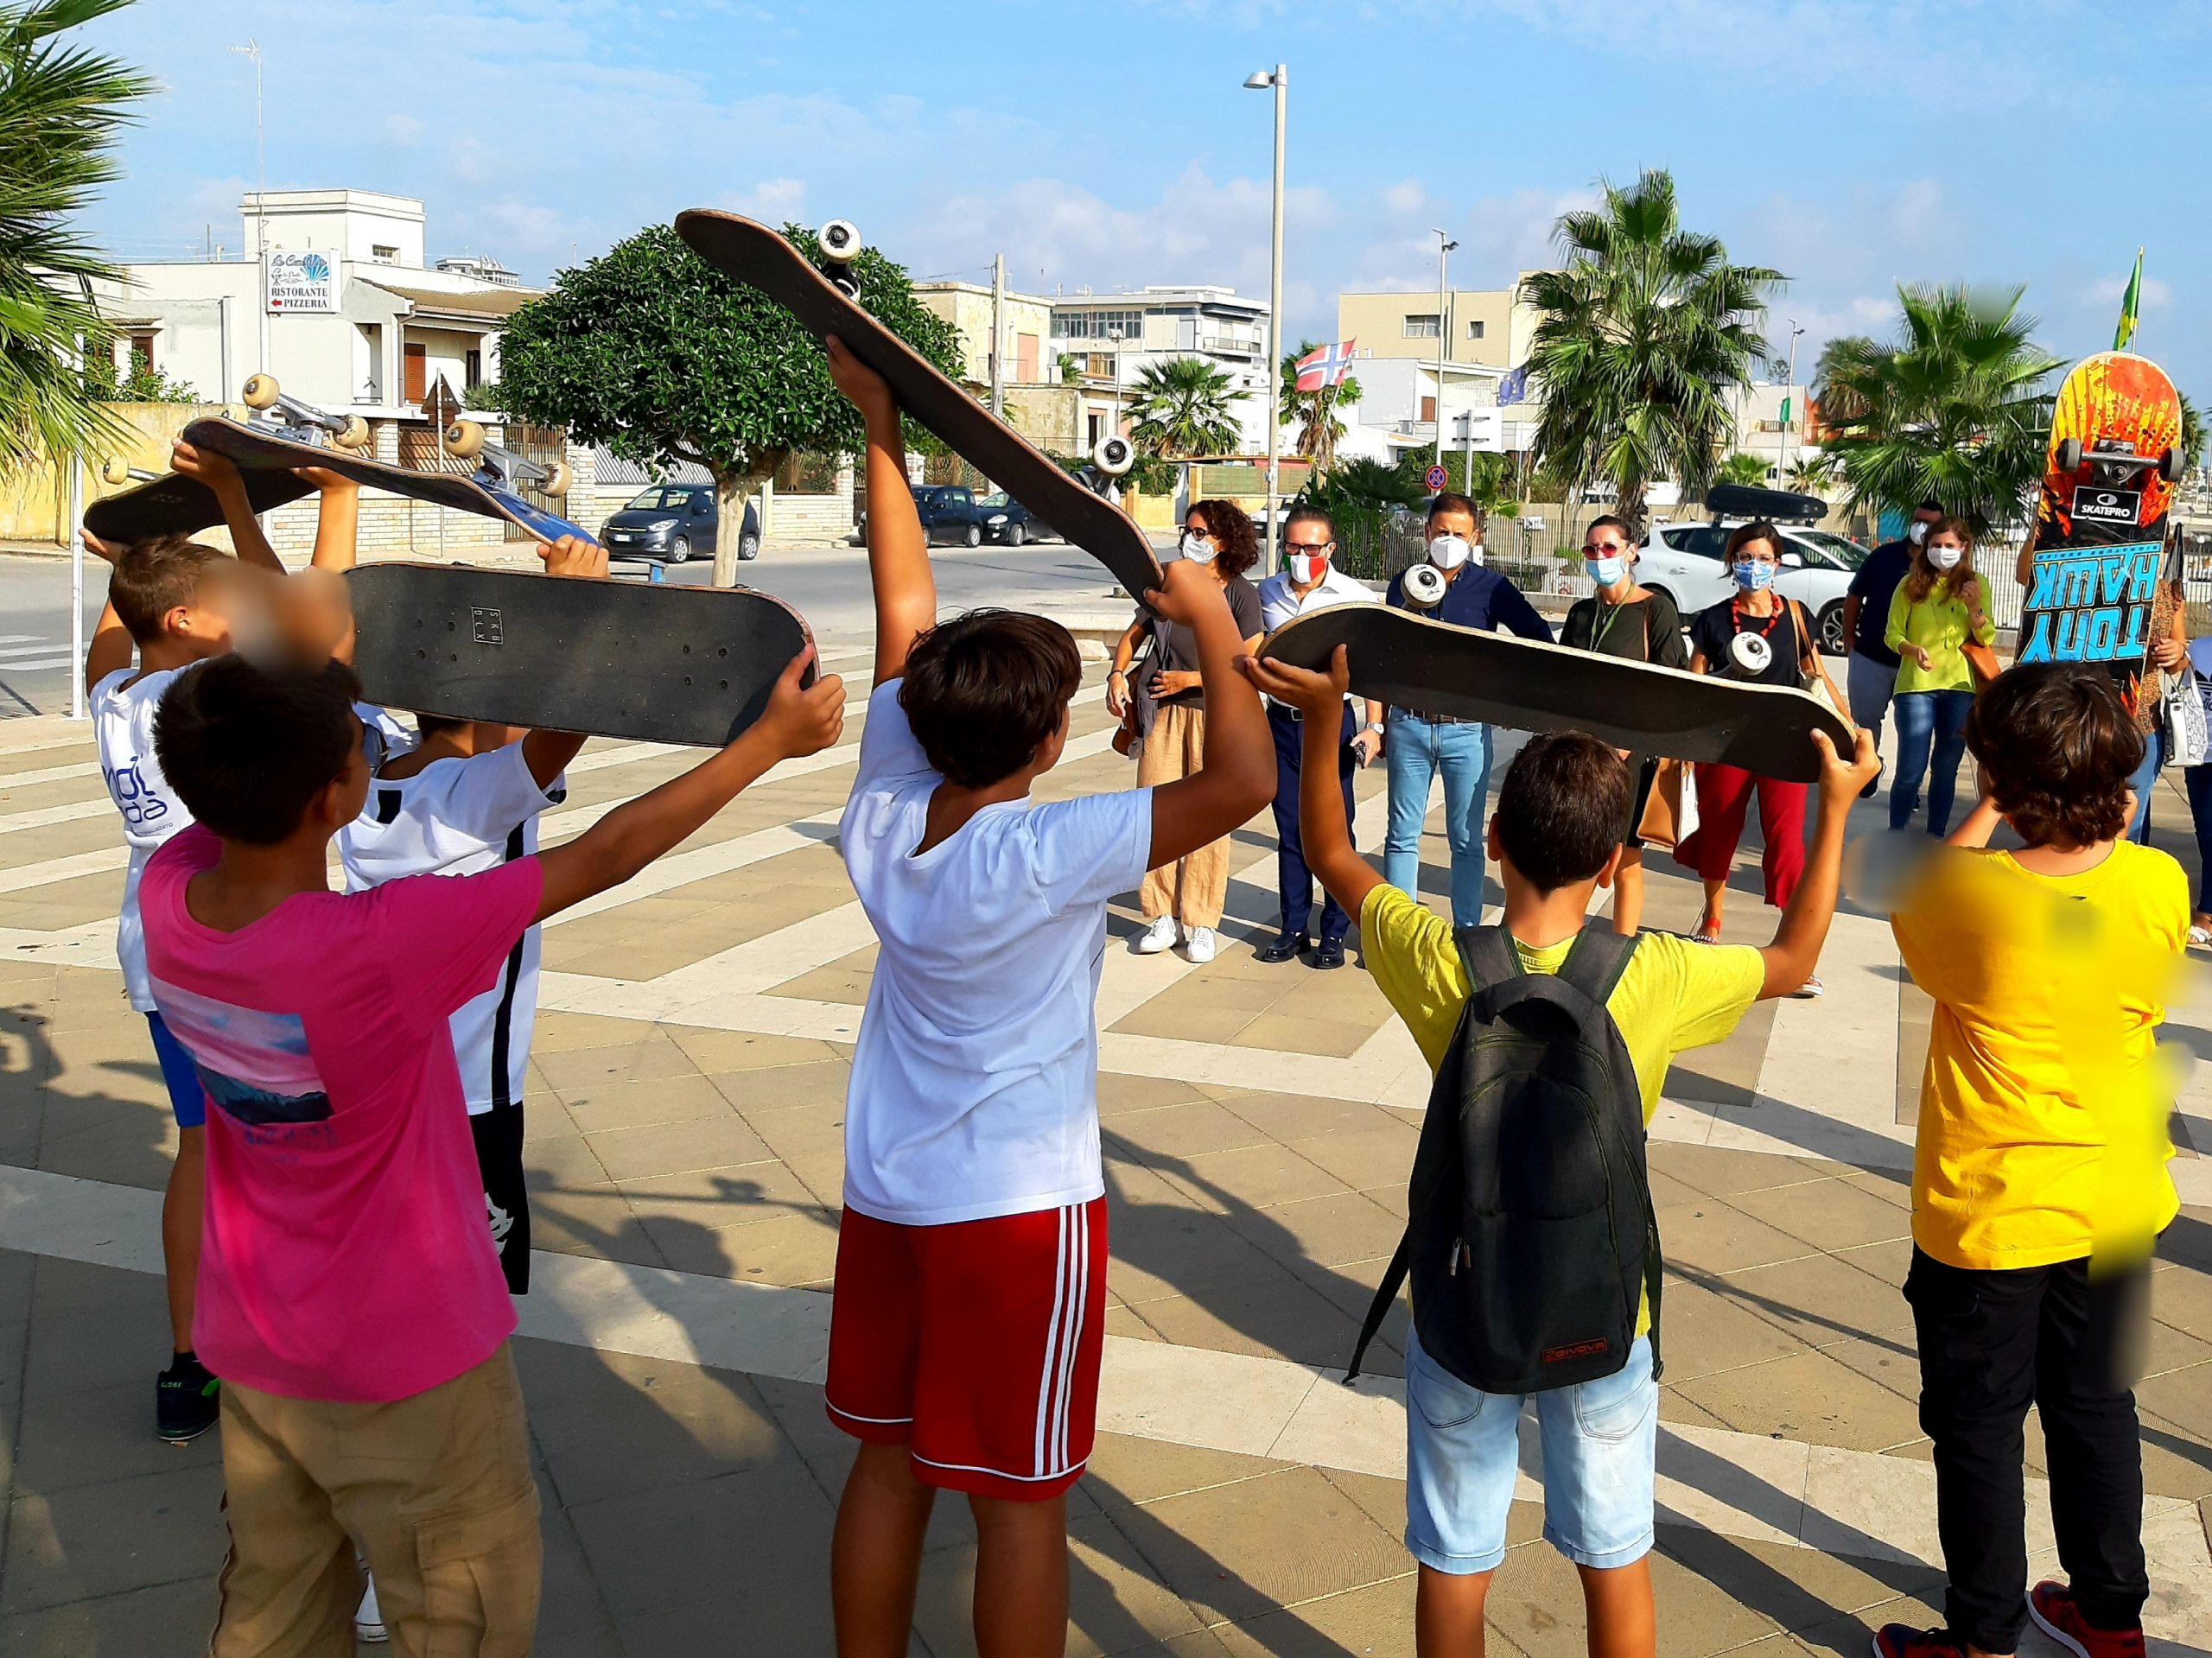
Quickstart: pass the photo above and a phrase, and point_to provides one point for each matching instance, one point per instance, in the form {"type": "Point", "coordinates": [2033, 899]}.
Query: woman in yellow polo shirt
{"type": "Point", "coordinates": [1939, 605]}
{"type": "Point", "coordinates": [2040, 1176]}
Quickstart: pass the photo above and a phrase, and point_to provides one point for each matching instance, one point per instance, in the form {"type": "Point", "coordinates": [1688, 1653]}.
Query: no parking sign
{"type": "Point", "coordinates": [1435, 478]}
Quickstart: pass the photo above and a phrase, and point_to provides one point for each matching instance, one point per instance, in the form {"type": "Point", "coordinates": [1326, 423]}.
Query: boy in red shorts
{"type": "Point", "coordinates": [971, 1260]}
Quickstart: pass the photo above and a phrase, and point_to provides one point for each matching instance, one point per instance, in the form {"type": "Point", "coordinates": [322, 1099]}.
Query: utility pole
{"type": "Point", "coordinates": [1444, 246]}
{"type": "Point", "coordinates": [998, 336]}
{"type": "Point", "coordinates": [252, 49]}
{"type": "Point", "coordinates": [1788, 400]}
{"type": "Point", "coordinates": [77, 709]}
{"type": "Point", "coordinates": [1259, 80]}
{"type": "Point", "coordinates": [1115, 335]}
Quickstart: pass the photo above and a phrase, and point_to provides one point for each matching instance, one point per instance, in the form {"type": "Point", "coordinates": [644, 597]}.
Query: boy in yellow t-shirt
{"type": "Point", "coordinates": [1556, 837]}
{"type": "Point", "coordinates": [2039, 1179]}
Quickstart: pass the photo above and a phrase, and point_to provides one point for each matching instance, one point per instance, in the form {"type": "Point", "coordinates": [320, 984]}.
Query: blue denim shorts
{"type": "Point", "coordinates": [187, 1096]}
{"type": "Point", "coordinates": [1463, 1449]}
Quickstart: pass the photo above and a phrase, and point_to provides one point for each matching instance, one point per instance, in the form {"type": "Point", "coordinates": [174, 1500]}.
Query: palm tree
{"type": "Point", "coordinates": [1954, 410]}
{"type": "Point", "coordinates": [1742, 468]}
{"type": "Point", "coordinates": [1640, 339]}
{"type": "Point", "coordinates": [1182, 409]}
{"type": "Point", "coordinates": [2192, 435]}
{"type": "Point", "coordinates": [1812, 473]}
{"type": "Point", "coordinates": [62, 110]}
{"type": "Point", "coordinates": [1314, 412]}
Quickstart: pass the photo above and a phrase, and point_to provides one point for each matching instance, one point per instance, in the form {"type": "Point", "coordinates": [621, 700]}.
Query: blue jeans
{"type": "Point", "coordinates": [1869, 685]}
{"type": "Point", "coordinates": [1463, 1449]}
{"type": "Point", "coordinates": [1293, 879]}
{"type": "Point", "coordinates": [1929, 720]}
{"type": "Point", "coordinates": [2199, 780]}
{"type": "Point", "coordinates": [1415, 749]}
{"type": "Point", "coordinates": [2146, 779]}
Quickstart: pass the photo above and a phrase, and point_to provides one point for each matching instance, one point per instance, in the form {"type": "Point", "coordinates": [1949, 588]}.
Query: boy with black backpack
{"type": "Point", "coordinates": [1530, 1239]}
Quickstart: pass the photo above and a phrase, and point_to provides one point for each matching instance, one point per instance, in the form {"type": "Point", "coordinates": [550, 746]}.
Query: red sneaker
{"type": "Point", "coordinates": [2051, 1605]}
{"type": "Point", "coordinates": [1903, 1641]}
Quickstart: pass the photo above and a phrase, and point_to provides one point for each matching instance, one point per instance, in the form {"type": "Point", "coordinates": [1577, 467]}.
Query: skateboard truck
{"type": "Point", "coordinates": [2114, 465]}
{"type": "Point", "coordinates": [287, 416]}
{"type": "Point", "coordinates": [1112, 458]}
{"type": "Point", "coordinates": [840, 241]}
{"type": "Point", "coordinates": [115, 470]}
{"type": "Point", "coordinates": [499, 469]}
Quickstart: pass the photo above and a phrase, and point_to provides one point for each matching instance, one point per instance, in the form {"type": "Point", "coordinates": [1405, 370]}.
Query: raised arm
{"type": "Point", "coordinates": [897, 552]}
{"type": "Point", "coordinates": [1326, 837]}
{"type": "Point", "coordinates": [1238, 776]}
{"type": "Point", "coordinates": [548, 752]}
{"type": "Point", "coordinates": [337, 519]}
{"type": "Point", "coordinates": [219, 475]}
{"type": "Point", "coordinates": [111, 646]}
{"type": "Point", "coordinates": [1796, 950]}
{"type": "Point", "coordinates": [631, 836]}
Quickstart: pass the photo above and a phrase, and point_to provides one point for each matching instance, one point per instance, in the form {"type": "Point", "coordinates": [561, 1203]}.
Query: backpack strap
{"type": "Point", "coordinates": [1489, 955]}
{"type": "Point", "coordinates": [1596, 961]}
{"type": "Point", "coordinates": [1379, 1309]}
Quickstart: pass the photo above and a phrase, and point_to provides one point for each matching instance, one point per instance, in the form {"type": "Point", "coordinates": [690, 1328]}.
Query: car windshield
{"type": "Point", "coordinates": [1838, 551]}
{"type": "Point", "coordinates": [661, 496]}
{"type": "Point", "coordinates": [997, 498]}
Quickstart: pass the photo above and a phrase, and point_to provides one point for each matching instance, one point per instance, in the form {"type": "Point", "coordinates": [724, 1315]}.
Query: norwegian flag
{"type": "Point", "coordinates": [1325, 366]}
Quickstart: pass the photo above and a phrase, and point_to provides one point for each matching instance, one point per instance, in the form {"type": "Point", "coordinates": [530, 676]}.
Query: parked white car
{"type": "Point", "coordinates": [1685, 561]}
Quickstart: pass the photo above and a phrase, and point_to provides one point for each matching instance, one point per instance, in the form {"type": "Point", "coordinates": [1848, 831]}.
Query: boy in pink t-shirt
{"type": "Point", "coordinates": [350, 1295]}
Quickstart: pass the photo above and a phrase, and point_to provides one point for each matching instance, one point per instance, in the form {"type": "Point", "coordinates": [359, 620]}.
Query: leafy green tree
{"type": "Point", "coordinates": [651, 352]}
{"type": "Point", "coordinates": [1313, 413]}
{"type": "Point", "coordinates": [62, 109]}
{"type": "Point", "coordinates": [1742, 468]}
{"type": "Point", "coordinates": [2192, 435]}
{"type": "Point", "coordinates": [1811, 473]}
{"type": "Point", "coordinates": [1954, 409]}
{"type": "Point", "coordinates": [1070, 369]}
{"type": "Point", "coordinates": [142, 384]}
{"type": "Point", "coordinates": [1181, 409]}
{"type": "Point", "coordinates": [1641, 336]}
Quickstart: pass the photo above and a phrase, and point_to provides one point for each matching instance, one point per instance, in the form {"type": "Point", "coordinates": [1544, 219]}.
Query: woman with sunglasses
{"type": "Point", "coordinates": [1939, 608]}
{"type": "Point", "coordinates": [1620, 618]}
{"type": "Point", "coordinates": [1760, 637]}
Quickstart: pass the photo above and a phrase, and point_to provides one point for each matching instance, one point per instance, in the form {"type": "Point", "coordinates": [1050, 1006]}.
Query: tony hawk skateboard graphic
{"type": "Point", "coordinates": [2099, 541]}
{"type": "Point", "coordinates": [1411, 662]}
{"type": "Point", "coordinates": [654, 664]}
{"type": "Point", "coordinates": [284, 435]}
{"type": "Point", "coordinates": [825, 303]}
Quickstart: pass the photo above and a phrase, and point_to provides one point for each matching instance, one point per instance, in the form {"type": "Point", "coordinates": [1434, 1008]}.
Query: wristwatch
{"type": "Point", "coordinates": [1376, 729]}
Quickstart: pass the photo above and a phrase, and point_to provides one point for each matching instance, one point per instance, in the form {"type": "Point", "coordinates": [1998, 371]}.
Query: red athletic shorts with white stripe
{"type": "Point", "coordinates": [974, 1344]}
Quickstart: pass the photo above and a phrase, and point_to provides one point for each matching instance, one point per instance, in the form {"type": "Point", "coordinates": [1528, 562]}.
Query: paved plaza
{"type": "Point", "coordinates": [684, 1149]}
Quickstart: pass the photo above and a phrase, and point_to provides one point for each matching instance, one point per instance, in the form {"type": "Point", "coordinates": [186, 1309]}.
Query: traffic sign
{"type": "Point", "coordinates": [1436, 478]}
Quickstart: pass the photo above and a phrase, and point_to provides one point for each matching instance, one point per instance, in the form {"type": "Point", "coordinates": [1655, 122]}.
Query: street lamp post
{"type": "Point", "coordinates": [1115, 336]}
{"type": "Point", "coordinates": [1789, 397]}
{"type": "Point", "coordinates": [1258, 80]}
{"type": "Point", "coordinates": [1444, 246]}
{"type": "Point", "coordinates": [252, 49]}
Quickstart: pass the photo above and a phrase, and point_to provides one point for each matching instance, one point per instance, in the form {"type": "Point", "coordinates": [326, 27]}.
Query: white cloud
{"type": "Point", "coordinates": [402, 129]}
{"type": "Point", "coordinates": [772, 202]}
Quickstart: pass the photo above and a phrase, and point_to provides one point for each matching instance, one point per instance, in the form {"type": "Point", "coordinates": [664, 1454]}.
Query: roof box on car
{"type": "Point", "coordinates": [1741, 501]}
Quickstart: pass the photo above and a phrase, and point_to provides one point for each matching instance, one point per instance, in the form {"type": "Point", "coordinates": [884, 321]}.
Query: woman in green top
{"type": "Point", "coordinates": [1623, 619]}
{"type": "Point", "coordinates": [1939, 605]}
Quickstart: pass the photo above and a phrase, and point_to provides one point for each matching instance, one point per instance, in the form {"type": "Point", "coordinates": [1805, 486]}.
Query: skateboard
{"type": "Point", "coordinates": [282, 434]}
{"type": "Point", "coordinates": [653, 663]}
{"type": "Point", "coordinates": [825, 301]}
{"type": "Point", "coordinates": [2100, 534]}
{"type": "Point", "coordinates": [1411, 662]}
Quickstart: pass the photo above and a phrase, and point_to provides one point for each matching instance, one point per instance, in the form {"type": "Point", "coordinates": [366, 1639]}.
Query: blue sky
{"type": "Point", "coordinates": [1850, 144]}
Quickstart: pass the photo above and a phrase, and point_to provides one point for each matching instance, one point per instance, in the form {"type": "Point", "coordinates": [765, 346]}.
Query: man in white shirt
{"type": "Point", "coordinates": [1311, 582]}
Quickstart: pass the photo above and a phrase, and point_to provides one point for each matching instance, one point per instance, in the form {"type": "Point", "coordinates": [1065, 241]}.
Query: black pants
{"type": "Point", "coordinates": [506, 1200]}
{"type": "Point", "coordinates": [1294, 880]}
{"type": "Point", "coordinates": [1991, 1343]}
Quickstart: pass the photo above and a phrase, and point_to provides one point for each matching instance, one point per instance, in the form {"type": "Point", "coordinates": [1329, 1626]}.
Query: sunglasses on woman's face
{"type": "Point", "coordinates": [1599, 548]}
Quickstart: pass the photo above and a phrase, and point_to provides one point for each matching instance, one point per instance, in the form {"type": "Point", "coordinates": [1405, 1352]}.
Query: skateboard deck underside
{"type": "Point", "coordinates": [2099, 543]}
{"type": "Point", "coordinates": [177, 505]}
{"type": "Point", "coordinates": [653, 663]}
{"type": "Point", "coordinates": [1410, 662]}
{"type": "Point", "coordinates": [260, 453]}
{"type": "Point", "coordinates": [764, 260]}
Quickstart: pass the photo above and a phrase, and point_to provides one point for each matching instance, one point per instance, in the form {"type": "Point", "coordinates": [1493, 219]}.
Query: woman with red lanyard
{"type": "Point", "coordinates": [1761, 637]}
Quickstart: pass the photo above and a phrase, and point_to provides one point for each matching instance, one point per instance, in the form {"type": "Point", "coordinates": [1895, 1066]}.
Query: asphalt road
{"type": "Point", "coordinates": [37, 668]}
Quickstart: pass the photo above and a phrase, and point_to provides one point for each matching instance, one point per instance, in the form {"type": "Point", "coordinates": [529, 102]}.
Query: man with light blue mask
{"type": "Point", "coordinates": [1419, 748]}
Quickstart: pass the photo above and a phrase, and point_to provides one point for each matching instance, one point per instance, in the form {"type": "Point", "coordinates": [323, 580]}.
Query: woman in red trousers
{"type": "Point", "coordinates": [1758, 636]}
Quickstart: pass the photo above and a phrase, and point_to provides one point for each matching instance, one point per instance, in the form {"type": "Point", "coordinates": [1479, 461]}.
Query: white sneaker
{"type": "Point", "coordinates": [1158, 936]}
{"type": "Point", "coordinates": [368, 1620]}
{"type": "Point", "coordinates": [1201, 945]}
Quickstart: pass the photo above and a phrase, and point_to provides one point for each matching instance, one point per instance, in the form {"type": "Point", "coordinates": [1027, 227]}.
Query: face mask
{"type": "Point", "coordinates": [1449, 552]}
{"type": "Point", "coordinates": [1606, 571]}
{"type": "Point", "coordinates": [1945, 558]}
{"type": "Point", "coordinates": [1306, 567]}
{"type": "Point", "coordinates": [1916, 531]}
{"type": "Point", "coordinates": [1197, 549]}
{"type": "Point", "coordinates": [1753, 575]}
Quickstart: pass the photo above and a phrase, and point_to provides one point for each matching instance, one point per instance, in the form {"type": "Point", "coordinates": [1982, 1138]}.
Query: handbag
{"type": "Point", "coordinates": [1137, 718]}
{"type": "Point", "coordinates": [2188, 738]}
{"type": "Point", "coordinates": [1669, 816]}
{"type": "Point", "coordinates": [1981, 663]}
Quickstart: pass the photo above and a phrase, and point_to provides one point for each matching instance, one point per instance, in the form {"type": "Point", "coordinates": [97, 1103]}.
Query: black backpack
{"type": "Point", "coordinates": [1530, 1232]}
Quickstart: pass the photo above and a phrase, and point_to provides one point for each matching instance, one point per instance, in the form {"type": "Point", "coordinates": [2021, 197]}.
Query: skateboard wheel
{"type": "Point", "coordinates": [2067, 457]}
{"type": "Point", "coordinates": [353, 435]}
{"type": "Point", "coordinates": [1751, 653]}
{"type": "Point", "coordinates": [2170, 466]}
{"type": "Point", "coordinates": [261, 391]}
{"type": "Point", "coordinates": [463, 439]}
{"type": "Point", "coordinates": [1115, 456]}
{"type": "Point", "coordinates": [1425, 584]}
{"type": "Point", "coordinates": [840, 239]}
{"type": "Point", "coordinates": [115, 471]}
{"type": "Point", "coordinates": [558, 479]}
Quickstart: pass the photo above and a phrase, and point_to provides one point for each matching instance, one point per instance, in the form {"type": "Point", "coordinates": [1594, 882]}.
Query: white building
{"type": "Point", "coordinates": [357, 317]}
{"type": "Point", "coordinates": [1113, 337]}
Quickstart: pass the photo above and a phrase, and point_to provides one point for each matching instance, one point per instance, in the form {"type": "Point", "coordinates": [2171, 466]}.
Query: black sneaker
{"type": "Point", "coordinates": [187, 1401]}
{"type": "Point", "coordinates": [1286, 947]}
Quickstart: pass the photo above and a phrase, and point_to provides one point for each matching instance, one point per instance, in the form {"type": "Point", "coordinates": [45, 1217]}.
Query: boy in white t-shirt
{"type": "Point", "coordinates": [969, 1308]}
{"type": "Point", "coordinates": [172, 602]}
{"type": "Point", "coordinates": [466, 799]}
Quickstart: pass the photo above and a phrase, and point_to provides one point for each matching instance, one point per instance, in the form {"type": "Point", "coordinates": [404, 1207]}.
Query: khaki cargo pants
{"type": "Point", "coordinates": [435, 1488]}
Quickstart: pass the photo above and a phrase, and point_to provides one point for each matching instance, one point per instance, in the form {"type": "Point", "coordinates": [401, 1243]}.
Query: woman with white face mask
{"type": "Point", "coordinates": [1186, 896]}
{"type": "Point", "coordinates": [1620, 618]}
{"type": "Point", "coordinates": [1937, 610]}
